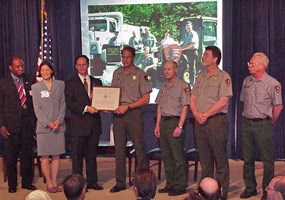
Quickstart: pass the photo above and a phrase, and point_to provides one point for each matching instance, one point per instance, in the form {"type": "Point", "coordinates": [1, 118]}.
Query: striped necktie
{"type": "Point", "coordinates": [21, 93]}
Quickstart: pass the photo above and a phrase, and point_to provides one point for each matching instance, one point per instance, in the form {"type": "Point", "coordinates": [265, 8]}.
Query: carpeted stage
{"type": "Point", "coordinates": [106, 175]}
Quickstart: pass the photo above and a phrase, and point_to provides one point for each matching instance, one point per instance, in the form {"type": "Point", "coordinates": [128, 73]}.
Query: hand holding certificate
{"type": "Point", "coordinates": [106, 97]}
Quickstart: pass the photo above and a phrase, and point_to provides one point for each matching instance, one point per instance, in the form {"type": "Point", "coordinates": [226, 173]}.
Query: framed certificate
{"type": "Point", "coordinates": [106, 97]}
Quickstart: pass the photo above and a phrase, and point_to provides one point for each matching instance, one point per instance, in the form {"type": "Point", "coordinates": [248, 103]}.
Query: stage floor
{"type": "Point", "coordinates": [106, 174]}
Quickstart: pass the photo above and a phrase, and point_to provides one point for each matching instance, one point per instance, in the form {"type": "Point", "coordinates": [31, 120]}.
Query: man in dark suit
{"type": "Point", "coordinates": [17, 123]}
{"type": "Point", "coordinates": [85, 122]}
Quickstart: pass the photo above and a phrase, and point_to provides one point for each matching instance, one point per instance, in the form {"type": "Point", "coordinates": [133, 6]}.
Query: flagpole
{"type": "Point", "coordinates": [42, 28]}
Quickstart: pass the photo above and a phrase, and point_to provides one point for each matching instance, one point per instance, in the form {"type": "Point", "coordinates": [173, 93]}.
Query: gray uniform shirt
{"type": "Point", "coordinates": [259, 96]}
{"type": "Point", "coordinates": [133, 85]}
{"type": "Point", "coordinates": [172, 97]}
{"type": "Point", "coordinates": [209, 90]}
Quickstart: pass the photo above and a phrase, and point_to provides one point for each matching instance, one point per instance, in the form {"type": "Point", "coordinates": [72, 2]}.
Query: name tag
{"type": "Point", "coordinates": [44, 94]}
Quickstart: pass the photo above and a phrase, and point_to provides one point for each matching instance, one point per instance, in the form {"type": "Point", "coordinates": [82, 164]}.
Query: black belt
{"type": "Point", "coordinates": [216, 115]}
{"type": "Point", "coordinates": [170, 117]}
{"type": "Point", "coordinates": [257, 119]}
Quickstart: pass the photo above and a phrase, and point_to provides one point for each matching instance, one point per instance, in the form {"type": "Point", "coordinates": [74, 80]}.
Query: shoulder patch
{"type": "Point", "coordinates": [277, 88]}
{"type": "Point", "coordinates": [228, 82]}
{"type": "Point", "coordinates": [146, 78]}
{"type": "Point", "coordinates": [187, 90]}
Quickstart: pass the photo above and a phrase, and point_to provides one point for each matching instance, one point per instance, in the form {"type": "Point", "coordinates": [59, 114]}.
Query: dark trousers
{"type": "Point", "coordinates": [173, 155]}
{"type": "Point", "coordinates": [85, 147]}
{"type": "Point", "coordinates": [20, 145]}
{"type": "Point", "coordinates": [257, 136]}
{"type": "Point", "coordinates": [212, 144]}
{"type": "Point", "coordinates": [130, 123]}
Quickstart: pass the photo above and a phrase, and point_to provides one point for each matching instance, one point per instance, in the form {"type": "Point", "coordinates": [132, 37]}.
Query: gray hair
{"type": "Point", "coordinates": [263, 59]}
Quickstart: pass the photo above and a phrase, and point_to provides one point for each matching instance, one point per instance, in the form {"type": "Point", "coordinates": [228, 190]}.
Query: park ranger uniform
{"type": "Point", "coordinates": [212, 136]}
{"type": "Point", "coordinates": [133, 86]}
{"type": "Point", "coordinates": [259, 97]}
{"type": "Point", "coordinates": [171, 99]}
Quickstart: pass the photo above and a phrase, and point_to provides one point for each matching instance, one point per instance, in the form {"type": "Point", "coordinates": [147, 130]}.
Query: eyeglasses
{"type": "Point", "coordinates": [252, 64]}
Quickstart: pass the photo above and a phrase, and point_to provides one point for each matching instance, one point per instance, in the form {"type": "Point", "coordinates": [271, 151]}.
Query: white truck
{"type": "Point", "coordinates": [102, 27]}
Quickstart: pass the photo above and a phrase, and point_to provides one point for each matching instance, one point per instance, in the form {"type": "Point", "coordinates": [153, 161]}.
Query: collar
{"type": "Point", "coordinates": [262, 79]}
{"type": "Point", "coordinates": [82, 78]}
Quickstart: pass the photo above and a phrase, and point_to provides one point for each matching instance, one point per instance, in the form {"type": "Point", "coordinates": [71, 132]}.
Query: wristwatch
{"type": "Point", "coordinates": [179, 126]}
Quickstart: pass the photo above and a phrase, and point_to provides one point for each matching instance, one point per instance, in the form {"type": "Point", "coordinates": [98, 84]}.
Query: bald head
{"type": "Point", "coordinates": [276, 188]}
{"type": "Point", "coordinates": [210, 188]}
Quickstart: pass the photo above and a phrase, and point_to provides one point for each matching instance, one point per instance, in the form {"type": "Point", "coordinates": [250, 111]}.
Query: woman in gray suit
{"type": "Point", "coordinates": [49, 105]}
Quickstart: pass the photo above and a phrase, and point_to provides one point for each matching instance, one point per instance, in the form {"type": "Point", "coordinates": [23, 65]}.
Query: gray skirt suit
{"type": "Point", "coordinates": [49, 106]}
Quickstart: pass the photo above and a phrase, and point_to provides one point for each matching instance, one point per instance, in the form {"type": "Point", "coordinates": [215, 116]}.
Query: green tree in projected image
{"type": "Point", "coordinates": [159, 17]}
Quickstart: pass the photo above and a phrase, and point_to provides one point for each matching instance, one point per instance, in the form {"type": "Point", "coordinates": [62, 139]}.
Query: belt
{"type": "Point", "coordinates": [257, 119]}
{"type": "Point", "coordinates": [216, 115]}
{"type": "Point", "coordinates": [170, 117]}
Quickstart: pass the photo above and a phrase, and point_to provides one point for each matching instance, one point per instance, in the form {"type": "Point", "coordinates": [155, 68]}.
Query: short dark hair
{"type": "Point", "coordinates": [216, 52]}
{"type": "Point", "coordinates": [145, 183]}
{"type": "Point", "coordinates": [73, 186]}
{"type": "Point", "coordinates": [45, 62]}
{"type": "Point", "coordinates": [14, 57]}
{"type": "Point", "coordinates": [81, 56]}
{"type": "Point", "coordinates": [130, 49]}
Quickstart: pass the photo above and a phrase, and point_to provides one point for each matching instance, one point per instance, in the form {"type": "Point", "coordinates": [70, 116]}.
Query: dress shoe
{"type": "Point", "coordinates": [95, 187]}
{"type": "Point", "coordinates": [52, 190]}
{"type": "Point", "coordinates": [12, 190]}
{"type": "Point", "coordinates": [164, 190]}
{"type": "Point", "coordinates": [117, 189]}
{"type": "Point", "coordinates": [29, 187]}
{"type": "Point", "coordinates": [246, 194]}
{"type": "Point", "coordinates": [58, 189]}
{"type": "Point", "coordinates": [176, 192]}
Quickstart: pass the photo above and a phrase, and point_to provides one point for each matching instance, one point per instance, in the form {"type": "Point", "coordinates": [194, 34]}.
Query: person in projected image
{"type": "Point", "coordinates": [189, 45]}
{"type": "Point", "coordinates": [49, 105]}
{"type": "Point", "coordinates": [135, 92]}
{"type": "Point", "coordinates": [209, 103]}
{"type": "Point", "coordinates": [173, 101]}
{"type": "Point", "coordinates": [262, 105]}
{"type": "Point", "coordinates": [147, 64]}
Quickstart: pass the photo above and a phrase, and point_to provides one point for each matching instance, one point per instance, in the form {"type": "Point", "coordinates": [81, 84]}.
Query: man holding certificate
{"type": "Point", "coordinates": [85, 122]}
{"type": "Point", "coordinates": [135, 92]}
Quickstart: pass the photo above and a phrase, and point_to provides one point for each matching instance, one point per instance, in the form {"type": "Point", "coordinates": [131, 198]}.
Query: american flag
{"type": "Point", "coordinates": [45, 50]}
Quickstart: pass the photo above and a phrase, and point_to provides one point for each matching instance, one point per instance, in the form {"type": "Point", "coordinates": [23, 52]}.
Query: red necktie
{"type": "Point", "coordinates": [21, 94]}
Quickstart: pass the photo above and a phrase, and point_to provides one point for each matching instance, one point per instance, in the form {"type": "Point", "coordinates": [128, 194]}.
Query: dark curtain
{"type": "Point", "coordinates": [258, 26]}
{"type": "Point", "coordinates": [20, 34]}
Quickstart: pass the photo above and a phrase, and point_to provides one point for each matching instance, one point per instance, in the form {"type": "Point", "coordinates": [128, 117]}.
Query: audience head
{"type": "Point", "coordinates": [145, 184]}
{"type": "Point", "coordinates": [276, 188]}
{"type": "Point", "coordinates": [74, 187]}
{"type": "Point", "coordinates": [38, 195]}
{"type": "Point", "coordinates": [210, 188]}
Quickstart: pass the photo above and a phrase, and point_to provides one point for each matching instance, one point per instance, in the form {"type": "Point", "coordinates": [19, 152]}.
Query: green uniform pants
{"type": "Point", "coordinates": [173, 155]}
{"type": "Point", "coordinates": [257, 135]}
{"type": "Point", "coordinates": [212, 144]}
{"type": "Point", "coordinates": [130, 123]}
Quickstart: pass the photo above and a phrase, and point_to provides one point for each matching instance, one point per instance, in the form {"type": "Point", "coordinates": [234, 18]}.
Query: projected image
{"type": "Point", "coordinates": [158, 32]}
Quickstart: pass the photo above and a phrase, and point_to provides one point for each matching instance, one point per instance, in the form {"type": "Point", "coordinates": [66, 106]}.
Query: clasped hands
{"type": "Point", "coordinates": [54, 125]}
{"type": "Point", "coordinates": [201, 117]}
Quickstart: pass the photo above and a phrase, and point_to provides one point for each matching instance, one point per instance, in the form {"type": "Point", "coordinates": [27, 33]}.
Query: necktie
{"type": "Point", "coordinates": [85, 85]}
{"type": "Point", "coordinates": [21, 94]}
